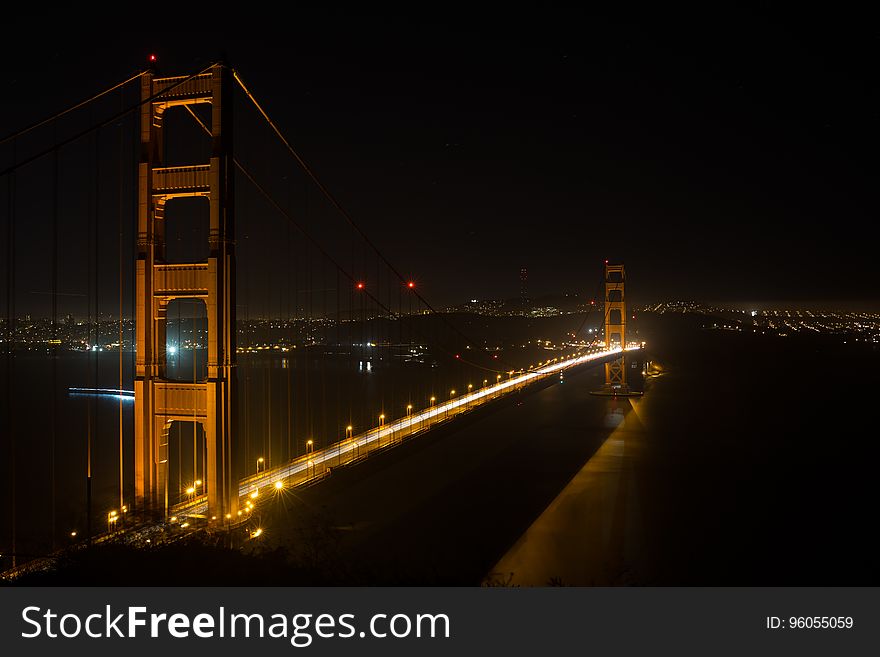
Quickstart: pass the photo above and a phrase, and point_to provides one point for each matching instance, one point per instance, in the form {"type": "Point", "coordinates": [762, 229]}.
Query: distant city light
{"type": "Point", "coordinates": [172, 350]}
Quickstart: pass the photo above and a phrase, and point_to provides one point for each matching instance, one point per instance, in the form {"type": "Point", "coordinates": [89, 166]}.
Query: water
{"type": "Point", "coordinates": [749, 461]}
{"type": "Point", "coordinates": [284, 400]}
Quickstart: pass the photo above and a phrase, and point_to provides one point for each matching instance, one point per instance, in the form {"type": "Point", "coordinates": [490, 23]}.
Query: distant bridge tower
{"type": "Point", "coordinates": [615, 327]}
{"type": "Point", "coordinates": [159, 401]}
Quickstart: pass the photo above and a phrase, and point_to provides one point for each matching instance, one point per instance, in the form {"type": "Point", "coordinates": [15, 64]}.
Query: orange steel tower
{"type": "Point", "coordinates": [159, 401]}
{"type": "Point", "coordinates": [615, 327]}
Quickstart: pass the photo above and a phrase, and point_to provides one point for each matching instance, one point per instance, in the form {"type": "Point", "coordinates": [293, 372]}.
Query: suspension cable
{"type": "Point", "coordinates": [333, 261]}
{"type": "Point", "coordinates": [115, 117]}
{"type": "Point", "coordinates": [70, 109]}
{"type": "Point", "coordinates": [336, 204]}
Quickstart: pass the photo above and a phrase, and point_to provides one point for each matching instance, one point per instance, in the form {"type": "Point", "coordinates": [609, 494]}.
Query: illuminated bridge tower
{"type": "Point", "coordinates": [158, 401]}
{"type": "Point", "coordinates": [615, 327]}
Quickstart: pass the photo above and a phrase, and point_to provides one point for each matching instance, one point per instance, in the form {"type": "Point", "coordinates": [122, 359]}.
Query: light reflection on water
{"type": "Point", "coordinates": [283, 402]}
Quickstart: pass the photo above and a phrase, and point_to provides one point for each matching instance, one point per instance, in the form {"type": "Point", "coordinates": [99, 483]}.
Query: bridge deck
{"type": "Point", "coordinates": [306, 468]}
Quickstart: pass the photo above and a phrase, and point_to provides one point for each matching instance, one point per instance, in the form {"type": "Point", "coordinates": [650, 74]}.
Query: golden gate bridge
{"type": "Point", "coordinates": [205, 250]}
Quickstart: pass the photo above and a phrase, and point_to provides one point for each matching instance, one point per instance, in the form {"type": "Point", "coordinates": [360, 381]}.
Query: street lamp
{"type": "Point", "coordinates": [260, 464]}
{"type": "Point", "coordinates": [408, 410]}
{"type": "Point", "coordinates": [310, 445]}
{"type": "Point", "coordinates": [470, 388]}
{"type": "Point", "coordinates": [348, 434]}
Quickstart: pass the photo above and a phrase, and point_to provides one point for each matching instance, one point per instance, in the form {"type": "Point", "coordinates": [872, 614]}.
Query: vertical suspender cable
{"type": "Point", "coordinates": [121, 437]}
{"type": "Point", "coordinates": [299, 355]}
{"type": "Point", "coordinates": [97, 325]}
{"type": "Point", "coordinates": [54, 336]}
{"type": "Point", "coordinates": [195, 374]}
{"type": "Point", "coordinates": [325, 435]}
{"type": "Point", "coordinates": [288, 325]}
{"type": "Point", "coordinates": [92, 248]}
{"type": "Point", "coordinates": [178, 374]}
{"type": "Point", "coordinates": [11, 325]}
{"type": "Point", "coordinates": [134, 181]}
{"type": "Point", "coordinates": [247, 367]}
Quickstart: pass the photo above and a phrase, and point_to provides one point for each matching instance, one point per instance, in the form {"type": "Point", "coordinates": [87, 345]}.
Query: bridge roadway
{"type": "Point", "coordinates": [308, 467]}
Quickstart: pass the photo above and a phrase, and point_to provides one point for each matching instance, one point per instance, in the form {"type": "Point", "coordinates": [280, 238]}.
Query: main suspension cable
{"type": "Point", "coordinates": [336, 204]}
{"type": "Point", "coordinates": [106, 122]}
{"type": "Point", "coordinates": [70, 109]}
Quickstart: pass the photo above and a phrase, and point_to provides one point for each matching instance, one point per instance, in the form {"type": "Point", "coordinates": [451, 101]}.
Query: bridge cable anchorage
{"type": "Point", "coordinates": [101, 124]}
{"type": "Point", "coordinates": [70, 109]}
{"type": "Point", "coordinates": [332, 199]}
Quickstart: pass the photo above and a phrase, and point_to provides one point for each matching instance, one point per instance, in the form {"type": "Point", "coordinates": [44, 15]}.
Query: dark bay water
{"type": "Point", "coordinates": [749, 461]}
{"type": "Point", "coordinates": [284, 400]}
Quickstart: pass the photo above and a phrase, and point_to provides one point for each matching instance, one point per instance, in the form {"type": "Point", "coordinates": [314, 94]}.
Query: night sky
{"type": "Point", "coordinates": [721, 157]}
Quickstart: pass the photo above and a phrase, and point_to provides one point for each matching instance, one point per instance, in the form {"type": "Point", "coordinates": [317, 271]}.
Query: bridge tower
{"type": "Point", "coordinates": [158, 400]}
{"type": "Point", "coordinates": [615, 327]}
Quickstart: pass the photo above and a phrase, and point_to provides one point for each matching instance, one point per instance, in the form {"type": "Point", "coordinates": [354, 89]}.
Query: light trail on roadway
{"type": "Point", "coordinates": [308, 467]}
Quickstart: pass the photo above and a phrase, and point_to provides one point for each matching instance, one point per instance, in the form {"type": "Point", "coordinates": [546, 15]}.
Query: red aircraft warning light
{"type": "Point", "coordinates": [411, 285]}
{"type": "Point", "coordinates": [360, 285]}
{"type": "Point", "coordinates": [152, 57]}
